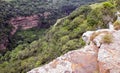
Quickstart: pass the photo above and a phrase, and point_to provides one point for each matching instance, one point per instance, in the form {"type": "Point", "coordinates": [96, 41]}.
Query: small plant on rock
{"type": "Point", "coordinates": [107, 38]}
{"type": "Point", "coordinates": [117, 25]}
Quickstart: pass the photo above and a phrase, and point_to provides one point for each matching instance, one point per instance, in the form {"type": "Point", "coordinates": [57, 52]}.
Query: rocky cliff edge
{"type": "Point", "coordinates": [101, 55]}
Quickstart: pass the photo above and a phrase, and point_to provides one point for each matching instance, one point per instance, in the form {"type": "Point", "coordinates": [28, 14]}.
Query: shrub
{"type": "Point", "coordinates": [107, 38]}
{"type": "Point", "coordinates": [107, 5]}
{"type": "Point", "coordinates": [83, 10]}
{"type": "Point", "coordinates": [117, 25]}
{"type": "Point", "coordinates": [70, 45]}
{"type": "Point", "coordinates": [94, 18]}
{"type": "Point", "coordinates": [64, 39]}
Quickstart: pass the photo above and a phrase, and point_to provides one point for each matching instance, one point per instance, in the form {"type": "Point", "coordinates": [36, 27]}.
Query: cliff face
{"type": "Point", "coordinates": [27, 22]}
{"type": "Point", "coordinates": [24, 22]}
{"type": "Point", "coordinates": [93, 58]}
{"type": "Point", "coordinates": [19, 23]}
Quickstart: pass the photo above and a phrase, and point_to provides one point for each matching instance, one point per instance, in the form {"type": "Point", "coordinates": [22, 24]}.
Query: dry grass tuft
{"type": "Point", "coordinates": [107, 38]}
{"type": "Point", "coordinates": [117, 25]}
{"type": "Point", "coordinates": [95, 34]}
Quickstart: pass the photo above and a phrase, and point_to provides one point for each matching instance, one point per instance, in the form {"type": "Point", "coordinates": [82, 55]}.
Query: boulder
{"type": "Point", "coordinates": [86, 36]}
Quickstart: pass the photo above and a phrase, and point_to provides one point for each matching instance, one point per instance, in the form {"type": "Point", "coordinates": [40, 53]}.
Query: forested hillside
{"type": "Point", "coordinates": [47, 11]}
{"type": "Point", "coordinates": [60, 38]}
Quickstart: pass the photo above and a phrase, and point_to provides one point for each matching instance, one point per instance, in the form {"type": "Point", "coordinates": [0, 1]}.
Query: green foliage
{"type": "Point", "coordinates": [108, 5]}
{"type": "Point", "coordinates": [96, 5]}
{"type": "Point", "coordinates": [64, 39]}
{"type": "Point", "coordinates": [108, 9]}
{"type": "Point", "coordinates": [26, 36]}
{"type": "Point", "coordinates": [100, 16]}
{"type": "Point", "coordinates": [15, 8]}
{"type": "Point", "coordinates": [57, 40]}
{"type": "Point", "coordinates": [82, 10]}
{"type": "Point", "coordinates": [95, 18]}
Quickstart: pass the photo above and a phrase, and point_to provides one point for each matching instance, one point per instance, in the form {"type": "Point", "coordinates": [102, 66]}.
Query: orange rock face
{"type": "Point", "coordinates": [24, 22]}
{"type": "Point", "coordinates": [90, 59]}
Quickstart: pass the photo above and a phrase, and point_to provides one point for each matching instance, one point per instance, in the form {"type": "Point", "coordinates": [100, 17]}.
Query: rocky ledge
{"type": "Point", "coordinates": [101, 55]}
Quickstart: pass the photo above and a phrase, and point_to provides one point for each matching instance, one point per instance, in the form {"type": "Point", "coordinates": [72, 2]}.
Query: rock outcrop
{"type": "Point", "coordinates": [93, 58]}
{"type": "Point", "coordinates": [19, 23]}
{"type": "Point", "coordinates": [24, 22]}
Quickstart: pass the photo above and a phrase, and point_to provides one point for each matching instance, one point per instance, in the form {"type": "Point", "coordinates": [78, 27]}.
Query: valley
{"type": "Point", "coordinates": [34, 47]}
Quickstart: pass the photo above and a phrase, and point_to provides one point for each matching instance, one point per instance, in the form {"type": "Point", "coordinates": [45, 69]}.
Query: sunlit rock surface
{"type": "Point", "coordinates": [92, 58]}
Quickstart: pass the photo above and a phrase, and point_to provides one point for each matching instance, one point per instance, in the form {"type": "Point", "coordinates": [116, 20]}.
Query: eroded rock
{"type": "Point", "coordinates": [86, 36]}
{"type": "Point", "coordinates": [24, 22]}
{"type": "Point", "coordinates": [78, 61]}
{"type": "Point", "coordinates": [90, 59]}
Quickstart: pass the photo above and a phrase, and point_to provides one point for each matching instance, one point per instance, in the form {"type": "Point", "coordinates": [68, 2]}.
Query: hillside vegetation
{"type": "Point", "coordinates": [59, 39]}
{"type": "Point", "coordinates": [15, 8]}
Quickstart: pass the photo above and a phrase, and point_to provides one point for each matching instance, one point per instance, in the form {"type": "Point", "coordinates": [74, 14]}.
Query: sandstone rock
{"type": "Point", "coordinates": [90, 59]}
{"type": "Point", "coordinates": [108, 55]}
{"type": "Point", "coordinates": [24, 22]}
{"type": "Point", "coordinates": [86, 36]}
{"type": "Point", "coordinates": [78, 61]}
{"type": "Point", "coordinates": [111, 26]}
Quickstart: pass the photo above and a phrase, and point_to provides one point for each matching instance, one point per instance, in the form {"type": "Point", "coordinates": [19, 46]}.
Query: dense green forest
{"type": "Point", "coordinates": [58, 39]}
{"type": "Point", "coordinates": [15, 8]}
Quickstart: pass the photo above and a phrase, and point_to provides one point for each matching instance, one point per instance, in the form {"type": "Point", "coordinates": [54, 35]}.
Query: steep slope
{"type": "Point", "coordinates": [18, 14]}
{"type": "Point", "coordinates": [59, 39]}
{"type": "Point", "coordinates": [90, 59]}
